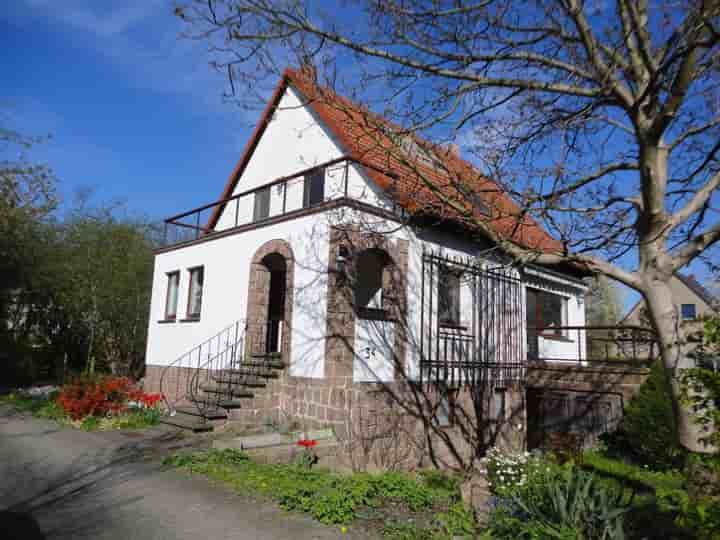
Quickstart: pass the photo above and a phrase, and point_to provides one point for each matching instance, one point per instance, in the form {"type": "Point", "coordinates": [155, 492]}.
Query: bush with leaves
{"type": "Point", "coordinates": [102, 396]}
{"type": "Point", "coordinates": [647, 433]}
{"type": "Point", "coordinates": [558, 502]}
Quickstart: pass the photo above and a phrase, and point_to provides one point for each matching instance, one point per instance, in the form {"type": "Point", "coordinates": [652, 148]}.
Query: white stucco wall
{"type": "Point", "coordinates": [294, 141]}
{"type": "Point", "coordinates": [227, 270]}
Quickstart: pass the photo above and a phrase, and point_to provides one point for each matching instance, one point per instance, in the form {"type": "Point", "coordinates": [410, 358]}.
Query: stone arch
{"type": "Point", "coordinates": [271, 277]}
{"type": "Point", "coordinates": [372, 281]}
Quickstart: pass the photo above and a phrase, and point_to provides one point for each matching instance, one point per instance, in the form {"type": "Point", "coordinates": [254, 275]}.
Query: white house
{"type": "Point", "coordinates": [328, 276]}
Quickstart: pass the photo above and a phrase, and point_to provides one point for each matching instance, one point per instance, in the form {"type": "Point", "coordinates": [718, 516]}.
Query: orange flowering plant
{"type": "Point", "coordinates": [103, 396]}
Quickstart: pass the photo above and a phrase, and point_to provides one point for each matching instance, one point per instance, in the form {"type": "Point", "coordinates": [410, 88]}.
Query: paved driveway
{"type": "Point", "coordinates": [64, 483]}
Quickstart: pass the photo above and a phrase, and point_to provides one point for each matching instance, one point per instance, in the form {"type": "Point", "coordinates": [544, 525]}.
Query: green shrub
{"type": "Point", "coordinates": [647, 433]}
{"type": "Point", "coordinates": [561, 503]}
{"type": "Point", "coordinates": [457, 521]}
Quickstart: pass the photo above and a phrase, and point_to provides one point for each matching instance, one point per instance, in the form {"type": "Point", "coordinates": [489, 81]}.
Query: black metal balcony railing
{"type": "Point", "coordinates": [281, 197]}
{"type": "Point", "coordinates": [592, 344]}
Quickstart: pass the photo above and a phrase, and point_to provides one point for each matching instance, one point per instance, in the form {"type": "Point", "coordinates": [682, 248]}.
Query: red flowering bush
{"type": "Point", "coordinates": [307, 443]}
{"type": "Point", "coordinates": [102, 396]}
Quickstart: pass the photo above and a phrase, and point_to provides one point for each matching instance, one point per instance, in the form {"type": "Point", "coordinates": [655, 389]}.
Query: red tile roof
{"type": "Point", "coordinates": [428, 179]}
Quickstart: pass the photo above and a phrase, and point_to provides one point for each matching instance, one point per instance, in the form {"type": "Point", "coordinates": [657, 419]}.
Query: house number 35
{"type": "Point", "coordinates": [370, 353]}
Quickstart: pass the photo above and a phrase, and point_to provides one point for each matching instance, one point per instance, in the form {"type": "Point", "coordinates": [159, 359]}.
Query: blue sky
{"type": "Point", "coordinates": [133, 111]}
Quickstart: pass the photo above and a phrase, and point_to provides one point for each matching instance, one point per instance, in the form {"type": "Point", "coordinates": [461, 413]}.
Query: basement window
{"type": "Point", "coordinates": [445, 412]}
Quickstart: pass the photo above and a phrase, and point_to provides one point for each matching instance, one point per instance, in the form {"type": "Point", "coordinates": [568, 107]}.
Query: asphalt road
{"type": "Point", "coordinates": [64, 483]}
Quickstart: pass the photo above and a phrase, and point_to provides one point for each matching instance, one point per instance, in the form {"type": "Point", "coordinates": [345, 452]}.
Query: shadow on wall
{"type": "Point", "coordinates": [394, 418]}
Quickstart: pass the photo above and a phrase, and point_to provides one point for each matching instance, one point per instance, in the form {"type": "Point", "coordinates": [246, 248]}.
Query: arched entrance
{"type": "Point", "coordinates": [277, 291]}
{"type": "Point", "coordinates": [269, 308]}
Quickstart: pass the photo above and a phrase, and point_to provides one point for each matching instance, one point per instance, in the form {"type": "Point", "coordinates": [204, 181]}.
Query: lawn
{"type": "Point", "coordinates": [657, 499]}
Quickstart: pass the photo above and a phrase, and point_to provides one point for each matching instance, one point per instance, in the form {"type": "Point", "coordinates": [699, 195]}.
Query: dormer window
{"type": "Point", "coordinates": [687, 312]}
{"type": "Point", "coordinates": [413, 150]}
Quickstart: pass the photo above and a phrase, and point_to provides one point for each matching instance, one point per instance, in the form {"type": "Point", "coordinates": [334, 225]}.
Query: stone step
{"type": "Point", "coordinates": [270, 363]}
{"type": "Point", "coordinates": [226, 390]}
{"type": "Point", "coordinates": [239, 375]}
{"type": "Point", "coordinates": [186, 421]}
{"type": "Point", "coordinates": [232, 403]}
{"type": "Point", "coordinates": [248, 381]}
{"type": "Point", "coordinates": [202, 410]}
{"type": "Point", "coordinates": [267, 355]}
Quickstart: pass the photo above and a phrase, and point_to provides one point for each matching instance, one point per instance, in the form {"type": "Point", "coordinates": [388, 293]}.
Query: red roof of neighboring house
{"type": "Point", "coordinates": [420, 176]}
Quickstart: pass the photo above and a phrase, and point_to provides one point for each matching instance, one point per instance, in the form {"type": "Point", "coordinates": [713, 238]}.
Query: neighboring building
{"type": "Point", "coordinates": [693, 303]}
{"type": "Point", "coordinates": [327, 288]}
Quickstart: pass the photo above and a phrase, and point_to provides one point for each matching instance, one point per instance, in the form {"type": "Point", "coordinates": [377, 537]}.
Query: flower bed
{"type": "Point", "coordinates": [105, 402]}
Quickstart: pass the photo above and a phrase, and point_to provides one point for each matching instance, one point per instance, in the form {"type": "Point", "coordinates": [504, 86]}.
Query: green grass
{"type": "Point", "coordinates": [640, 478]}
{"type": "Point", "coordinates": [338, 499]}
{"type": "Point", "coordinates": [657, 498]}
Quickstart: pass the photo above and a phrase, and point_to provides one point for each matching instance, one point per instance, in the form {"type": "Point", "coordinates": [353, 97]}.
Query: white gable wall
{"type": "Point", "coordinates": [293, 141]}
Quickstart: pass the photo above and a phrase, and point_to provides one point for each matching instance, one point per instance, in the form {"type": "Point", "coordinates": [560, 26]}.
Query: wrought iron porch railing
{"type": "Point", "coordinates": [181, 368]}
{"type": "Point", "coordinates": [321, 184]}
{"type": "Point", "coordinates": [633, 345]}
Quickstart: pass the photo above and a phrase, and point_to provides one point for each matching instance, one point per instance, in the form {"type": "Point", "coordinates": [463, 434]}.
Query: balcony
{"type": "Point", "coordinates": [459, 358]}
{"type": "Point", "coordinates": [331, 184]}
{"type": "Point", "coordinates": [610, 345]}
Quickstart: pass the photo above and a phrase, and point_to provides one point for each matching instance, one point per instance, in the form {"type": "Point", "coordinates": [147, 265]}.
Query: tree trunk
{"type": "Point", "coordinates": [674, 350]}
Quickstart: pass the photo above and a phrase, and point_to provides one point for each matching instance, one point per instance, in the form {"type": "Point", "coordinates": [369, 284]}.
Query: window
{"type": "Point", "coordinates": [171, 300]}
{"type": "Point", "coordinates": [448, 296]}
{"type": "Point", "coordinates": [498, 406]}
{"type": "Point", "coordinates": [445, 412]}
{"type": "Point", "coordinates": [370, 268]}
{"type": "Point", "coordinates": [546, 312]}
{"type": "Point", "coordinates": [195, 292]}
{"type": "Point", "coordinates": [314, 189]}
{"type": "Point", "coordinates": [687, 312]}
{"type": "Point", "coordinates": [262, 204]}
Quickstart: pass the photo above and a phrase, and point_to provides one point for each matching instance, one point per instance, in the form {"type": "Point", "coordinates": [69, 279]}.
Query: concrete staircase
{"type": "Point", "coordinates": [222, 390]}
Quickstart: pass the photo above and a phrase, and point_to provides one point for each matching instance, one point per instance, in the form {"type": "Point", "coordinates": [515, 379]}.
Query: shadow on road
{"type": "Point", "coordinates": [58, 485]}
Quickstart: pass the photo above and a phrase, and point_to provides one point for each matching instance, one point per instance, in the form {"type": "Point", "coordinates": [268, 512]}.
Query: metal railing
{"type": "Point", "coordinates": [280, 197]}
{"type": "Point", "coordinates": [592, 344]}
{"type": "Point", "coordinates": [220, 362]}
{"type": "Point", "coordinates": [182, 368]}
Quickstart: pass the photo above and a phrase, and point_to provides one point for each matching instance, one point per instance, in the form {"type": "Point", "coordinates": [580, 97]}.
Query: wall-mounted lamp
{"type": "Point", "coordinates": [342, 259]}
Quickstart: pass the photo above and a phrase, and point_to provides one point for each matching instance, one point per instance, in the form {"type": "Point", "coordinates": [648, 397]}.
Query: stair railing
{"type": "Point", "coordinates": [175, 382]}
{"type": "Point", "coordinates": [211, 371]}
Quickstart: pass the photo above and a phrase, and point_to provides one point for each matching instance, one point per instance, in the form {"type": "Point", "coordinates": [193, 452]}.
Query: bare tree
{"type": "Point", "coordinates": [601, 118]}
